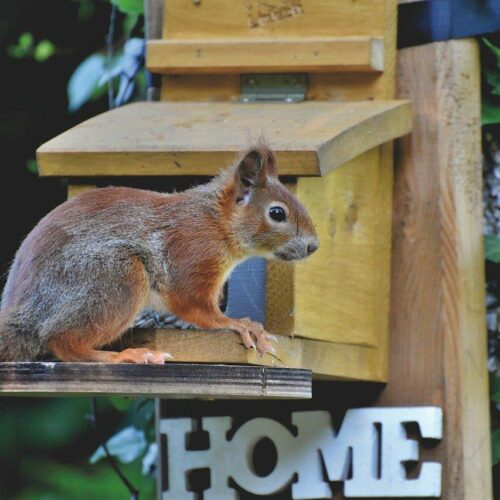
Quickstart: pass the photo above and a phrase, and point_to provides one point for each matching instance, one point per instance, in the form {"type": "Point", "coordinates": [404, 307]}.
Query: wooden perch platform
{"type": "Point", "coordinates": [201, 138]}
{"type": "Point", "coordinates": [172, 380]}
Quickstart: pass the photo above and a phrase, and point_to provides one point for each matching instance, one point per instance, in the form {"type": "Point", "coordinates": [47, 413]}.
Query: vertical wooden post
{"type": "Point", "coordinates": [438, 347]}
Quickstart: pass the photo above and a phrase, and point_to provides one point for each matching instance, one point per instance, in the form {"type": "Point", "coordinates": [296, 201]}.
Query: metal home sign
{"type": "Point", "coordinates": [368, 453]}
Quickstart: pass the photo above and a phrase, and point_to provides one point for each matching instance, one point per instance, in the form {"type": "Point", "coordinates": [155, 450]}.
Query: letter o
{"type": "Point", "coordinates": [242, 446]}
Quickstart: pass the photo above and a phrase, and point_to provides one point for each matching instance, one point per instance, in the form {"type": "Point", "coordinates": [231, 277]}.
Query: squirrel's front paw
{"type": "Point", "coordinates": [141, 355]}
{"type": "Point", "coordinates": [250, 330]}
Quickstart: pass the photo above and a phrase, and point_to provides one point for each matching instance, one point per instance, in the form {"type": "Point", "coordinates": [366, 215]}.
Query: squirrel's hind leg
{"type": "Point", "coordinates": [103, 323]}
{"type": "Point", "coordinates": [71, 347]}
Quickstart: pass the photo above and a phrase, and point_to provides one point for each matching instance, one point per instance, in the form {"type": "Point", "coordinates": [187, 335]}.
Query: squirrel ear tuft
{"type": "Point", "coordinates": [256, 165]}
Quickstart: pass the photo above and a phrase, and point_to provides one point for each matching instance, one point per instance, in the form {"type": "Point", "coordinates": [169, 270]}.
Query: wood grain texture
{"type": "Point", "coordinates": [276, 18]}
{"type": "Point", "coordinates": [200, 88]}
{"type": "Point", "coordinates": [327, 360]}
{"type": "Point", "coordinates": [337, 289]}
{"type": "Point", "coordinates": [351, 86]}
{"type": "Point", "coordinates": [171, 138]}
{"type": "Point", "coordinates": [280, 292]}
{"type": "Point", "coordinates": [76, 189]}
{"type": "Point", "coordinates": [438, 334]}
{"type": "Point", "coordinates": [266, 55]}
{"type": "Point", "coordinates": [153, 15]}
{"type": "Point", "coordinates": [171, 380]}
{"type": "Point", "coordinates": [284, 19]}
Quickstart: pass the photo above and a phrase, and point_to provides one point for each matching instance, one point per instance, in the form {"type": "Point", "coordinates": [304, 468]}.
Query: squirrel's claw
{"type": "Point", "coordinates": [156, 357]}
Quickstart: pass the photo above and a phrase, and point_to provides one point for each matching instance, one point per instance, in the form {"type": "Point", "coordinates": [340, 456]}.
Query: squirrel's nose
{"type": "Point", "coordinates": [312, 247]}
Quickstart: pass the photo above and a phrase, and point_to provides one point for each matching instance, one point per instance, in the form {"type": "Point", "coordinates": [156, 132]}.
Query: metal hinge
{"type": "Point", "coordinates": [287, 87]}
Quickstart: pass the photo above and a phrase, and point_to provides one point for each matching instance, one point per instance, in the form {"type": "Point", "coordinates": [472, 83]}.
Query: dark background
{"type": "Point", "coordinates": [45, 444]}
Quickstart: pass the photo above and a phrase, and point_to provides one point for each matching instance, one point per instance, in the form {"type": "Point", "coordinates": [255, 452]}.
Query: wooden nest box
{"type": "Point", "coordinates": [317, 78]}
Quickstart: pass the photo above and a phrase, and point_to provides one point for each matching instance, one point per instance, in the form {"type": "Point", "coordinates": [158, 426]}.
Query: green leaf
{"type": "Point", "coordinates": [23, 48]}
{"type": "Point", "coordinates": [493, 48]}
{"type": "Point", "coordinates": [495, 388]}
{"type": "Point", "coordinates": [129, 22]}
{"type": "Point", "coordinates": [85, 10]}
{"type": "Point", "coordinates": [490, 113]}
{"type": "Point", "coordinates": [32, 166]}
{"type": "Point", "coordinates": [50, 480]}
{"type": "Point", "coordinates": [44, 50]}
{"type": "Point", "coordinates": [495, 446]}
{"type": "Point", "coordinates": [493, 78]}
{"type": "Point", "coordinates": [121, 404]}
{"type": "Point", "coordinates": [25, 41]}
{"type": "Point", "coordinates": [16, 52]}
{"type": "Point", "coordinates": [84, 81]}
{"type": "Point", "coordinates": [492, 248]}
{"type": "Point", "coordinates": [127, 445]}
{"type": "Point", "coordinates": [130, 6]}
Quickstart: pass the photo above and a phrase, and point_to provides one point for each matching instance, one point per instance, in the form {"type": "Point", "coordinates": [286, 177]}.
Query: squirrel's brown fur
{"type": "Point", "coordinates": [91, 265]}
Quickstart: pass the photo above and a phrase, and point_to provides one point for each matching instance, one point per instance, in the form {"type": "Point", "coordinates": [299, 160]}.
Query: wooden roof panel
{"type": "Point", "coordinates": [188, 138]}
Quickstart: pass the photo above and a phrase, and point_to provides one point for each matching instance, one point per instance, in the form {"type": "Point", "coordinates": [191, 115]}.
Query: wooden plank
{"type": "Point", "coordinates": [327, 360]}
{"type": "Point", "coordinates": [311, 54]}
{"type": "Point", "coordinates": [337, 290]}
{"type": "Point", "coordinates": [200, 88]}
{"type": "Point", "coordinates": [438, 334]}
{"type": "Point", "coordinates": [76, 189]}
{"type": "Point", "coordinates": [277, 18]}
{"type": "Point", "coordinates": [171, 138]}
{"type": "Point", "coordinates": [153, 14]}
{"type": "Point", "coordinates": [356, 86]}
{"type": "Point", "coordinates": [284, 19]}
{"type": "Point", "coordinates": [171, 380]}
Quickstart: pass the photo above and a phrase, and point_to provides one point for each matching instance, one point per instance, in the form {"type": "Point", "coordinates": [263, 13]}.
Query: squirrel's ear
{"type": "Point", "coordinates": [248, 175]}
{"type": "Point", "coordinates": [250, 168]}
{"type": "Point", "coordinates": [256, 165]}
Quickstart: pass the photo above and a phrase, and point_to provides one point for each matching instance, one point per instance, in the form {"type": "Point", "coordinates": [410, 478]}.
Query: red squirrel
{"type": "Point", "coordinates": [91, 265]}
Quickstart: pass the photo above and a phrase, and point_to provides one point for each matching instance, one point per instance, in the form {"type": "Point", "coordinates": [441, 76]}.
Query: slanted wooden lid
{"type": "Point", "coordinates": [188, 138]}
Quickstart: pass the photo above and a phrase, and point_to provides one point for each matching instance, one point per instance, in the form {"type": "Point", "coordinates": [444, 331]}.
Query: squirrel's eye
{"type": "Point", "coordinates": [277, 214]}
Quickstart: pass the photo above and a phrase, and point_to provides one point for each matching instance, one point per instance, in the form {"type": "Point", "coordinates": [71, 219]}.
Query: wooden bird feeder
{"type": "Point", "coordinates": [318, 80]}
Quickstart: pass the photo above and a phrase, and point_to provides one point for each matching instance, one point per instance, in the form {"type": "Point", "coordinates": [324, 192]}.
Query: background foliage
{"type": "Point", "coordinates": [56, 72]}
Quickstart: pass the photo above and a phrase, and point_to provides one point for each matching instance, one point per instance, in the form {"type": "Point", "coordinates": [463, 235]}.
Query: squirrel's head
{"type": "Point", "coordinates": [269, 220]}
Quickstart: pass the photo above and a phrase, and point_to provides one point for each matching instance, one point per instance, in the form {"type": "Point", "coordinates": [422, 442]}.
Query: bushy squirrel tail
{"type": "Point", "coordinates": [19, 341]}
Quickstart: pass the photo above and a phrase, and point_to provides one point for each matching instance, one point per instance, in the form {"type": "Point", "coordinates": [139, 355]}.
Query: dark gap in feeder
{"type": "Point", "coordinates": [264, 457]}
{"type": "Point", "coordinates": [378, 430]}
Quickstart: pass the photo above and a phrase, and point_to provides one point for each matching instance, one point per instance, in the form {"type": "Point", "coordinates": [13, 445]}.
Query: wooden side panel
{"type": "Point", "coordinates": [337, 289]}
{"type": "Point", "coordinates": [280, 293]}
{"type": "Point", "coordinates": [438, 334]}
